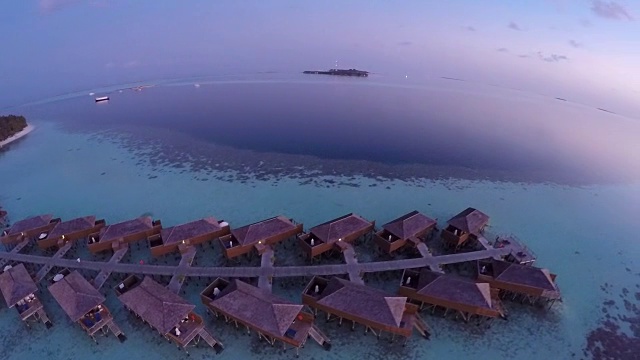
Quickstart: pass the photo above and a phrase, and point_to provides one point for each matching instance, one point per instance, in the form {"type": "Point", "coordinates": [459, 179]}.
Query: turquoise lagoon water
{"type": "Point", "coordinates": [586, 235]}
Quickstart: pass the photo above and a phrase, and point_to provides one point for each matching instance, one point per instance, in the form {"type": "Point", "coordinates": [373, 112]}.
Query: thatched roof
{"type": "Point", "coordinates": [363, 301]}
{"type": "Point", "coordinates": [71, 226]}
{"type": "Point", "coordinates": [469, 220]}
{"type": "Point", "coordinates": [523, 275]}
{"type": "Point", "coordinates": [262, 230]}
{"type": "Point", "coordinates": [156, 304]}
{"type": "Point", "coordinates": [409, 225]}
{"type": "Point", "coordinates": [16, 284]}
{"type": "Point", "coordinates": [176, 234]}
{"type": "Point", "coordinates": [116, 231]}
{"type": "Point", "coordinates": [454, 289]}
{"type": "Point", "coordinates": [258, 307]}
{"type": "Point", "coordinates": [29, 224]}
{"type": "Point", "coordinates": [75, 295]}
{"type": "Point", "coordinates": [341, 227]}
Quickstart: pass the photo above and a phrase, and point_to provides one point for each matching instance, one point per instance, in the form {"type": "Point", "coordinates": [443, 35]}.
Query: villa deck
{"type": "Point", "coordinates": [83, 304]}
{"type": "Point", "coordinates": [396, 233]}
{"type": "Point", "coordinates": [462, 226]}
{"type": "Point", "coordinates": [273, 318]}
{"type": "Point", "coordinates": [326, 236]}
{"type": "Point", "coordinates": [124, 232]}
{"type": "Point", "coordinates": [192, 233]}
{"type": "Point", "coordinates": [166, 312]}
{"type": "Point", "coordinates": [28, 228]}
{"type": "Point", "coordinates": [71, 230]}
{"type": "Point", "coordinates": [528, 281]}
{"type": "Point", "coordinates": [451, 292]}
{"type": "Point", "coordinates": [255, 236]}
{"type": "Point", "coordinates": [18, 290]}
{"type": "Point", "coordinates": [375, 309]}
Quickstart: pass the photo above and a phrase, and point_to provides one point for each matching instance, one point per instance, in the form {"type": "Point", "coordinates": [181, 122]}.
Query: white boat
{"type": "Point", "coordinates": [102, 98]}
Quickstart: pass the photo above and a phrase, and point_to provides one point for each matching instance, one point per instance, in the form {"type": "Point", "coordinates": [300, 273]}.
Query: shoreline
{"type": "Point", "coordinates": [17, 136]}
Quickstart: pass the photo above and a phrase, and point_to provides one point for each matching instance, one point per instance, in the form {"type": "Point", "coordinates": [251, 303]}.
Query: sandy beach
{"type": "Point", "coordinates": [17, 136]}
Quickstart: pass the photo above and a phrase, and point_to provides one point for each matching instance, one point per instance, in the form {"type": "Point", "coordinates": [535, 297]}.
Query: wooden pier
{"type": "Point", "coordinates": [247, 272]}
{"type": "Point", "coordinates": [425, 253]}
{"type": "Point", "coordinates": [102, 277]}
{"type": "Point", "coordinates": [44, 271]}
{"type": "Point", "coordinates": [352, 262]}
{"type": "Point", "coordinates": [16, 249]}
{"type": "Point", "coordinates": [265, 281]}
{"type": "Point", "coordinates": [188, 254]}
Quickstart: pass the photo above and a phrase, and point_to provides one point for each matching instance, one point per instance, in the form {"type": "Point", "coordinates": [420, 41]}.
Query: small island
{"type": "Point", "coordinates": [339, 72]}
{"type": "Point", "coordinates": [13, 127]}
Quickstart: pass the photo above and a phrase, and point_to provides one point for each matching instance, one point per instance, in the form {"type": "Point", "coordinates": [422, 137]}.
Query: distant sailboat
{"type": "Point", "coordinates": [102, 98]}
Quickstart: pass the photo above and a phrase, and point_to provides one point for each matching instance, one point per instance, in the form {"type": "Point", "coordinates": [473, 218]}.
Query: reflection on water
{"type": "Point", "coordinates": [457, 128]}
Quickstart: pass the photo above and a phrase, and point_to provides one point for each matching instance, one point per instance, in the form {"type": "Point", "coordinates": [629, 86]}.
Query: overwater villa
{"type": "Point", "coordinates": [273, 318]}
{"type": "Point", "coordinates": [332, 234]}
{"type": "Point", "coordinates": [405, 230]}
{"type": "Point", "coordinates": [164, 311]}
{"type": "Point", "coordinates": [70, 230]}
{"type": "Point", "coordinates": [451, 292]}
{"type": "Point", "coordinates": [83, 304]}
{"type": "Point", "coordinates": [19, 291]}
{"type": "Point", "coordinates": [531, 283]}
{"type": "Point", "coordinates": [468, 223]}
{"type": "Point", "coordinates": [375, 309]}
{"type": "Point", "coordinates": [258, 235]}
{"type": "Point", "coordinates": [189, 234]}
{"type": "Point", "coordinates": [28, 228]}
{"type": "Point", "coordinates": [125, 232]}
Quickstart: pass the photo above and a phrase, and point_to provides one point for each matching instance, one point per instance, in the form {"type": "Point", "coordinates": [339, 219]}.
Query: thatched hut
{"type": "Point", "coordinates": [375, 309]}
{"type": "Point", "coordinates": [333, 233]}
{"type": "Point", "coordinates": [273, 318]}
{"type": "Point", "coordinates": [169, 314]}
{"type": "Point", "coordinates": [468, 223]}
{"type": "Point", "coordinates": [405, 230]}
{"type": "Point", "coordinates": [529, 282]}
{"type": "Point", "coordinates": [258, 236]}
{"type": "Point", "coordinates": [83, 304]}
{"type": "Point", "coordinates": [451, 292]}
{"type": "Point", "coordinates": [124, 232]}
{"type": "Point", "coordinates": [19, 291]}
{"type": "Point", "coordinates": [192, 233]}
{"type": "Point", "coordinates": [28, 228]}
{"type": "Point", "coordinates": [70, 230]}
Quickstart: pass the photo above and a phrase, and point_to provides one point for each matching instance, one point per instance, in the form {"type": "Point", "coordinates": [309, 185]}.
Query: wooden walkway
{"type": "Point", "coordinates": [264, 281]}
{"type": "Point", "coordinates": [16, 249]}
{"type": "Point", "coordinates": [116, 330]}
{"type": "Point", "coordinates": [425, 253]}
{"type": "Point", "coordinates": [279, 271]}
{"type": "Point", "coordinates": [317, 335]}
{"type": "Point", "coordinates": [44, 271]}
{"type": "Point", "coordinates": [102, 277]}
{"type": "Point", "coordinates": [352, 264]}
{"type": "Point", "coordinates": [209, 339]}
{"type": "Point", "coordinates": [178, 278]}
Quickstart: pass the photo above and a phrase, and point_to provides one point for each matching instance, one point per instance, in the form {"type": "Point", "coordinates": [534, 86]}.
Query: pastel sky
{"type": "Point", "coordinates": [585, 50]}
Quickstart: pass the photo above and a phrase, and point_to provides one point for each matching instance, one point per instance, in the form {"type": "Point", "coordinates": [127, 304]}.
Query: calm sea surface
{"type": "Point", "coordinates": [561, 176]}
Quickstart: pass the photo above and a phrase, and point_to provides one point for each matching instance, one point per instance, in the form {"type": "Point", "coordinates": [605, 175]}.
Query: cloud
{"type": "Point", "coordinates": [502, 50]}
{"type": "Point", "coordinates": [551, 57]}
{"type": "Point", "coordinates": [51, 6]}
{"type": "Point", "coordinates": [405, 43]}
{"type": "Point", "coordinates": [524, 56]}
{"type": "Point", "coordinates": [470, 28]}
{"type": "Point", "coordinates": [610, 10]}
{"type": "Point", "coordinates": [513, 26]}
{"type": "Point", "coordinates": [585, 23]}
{"type": "Point", "coordinates": [575, 44]}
